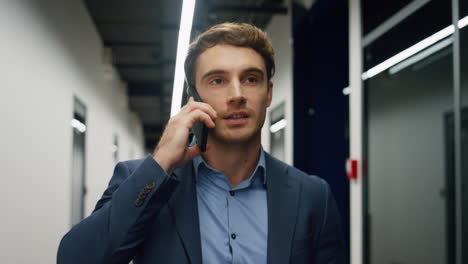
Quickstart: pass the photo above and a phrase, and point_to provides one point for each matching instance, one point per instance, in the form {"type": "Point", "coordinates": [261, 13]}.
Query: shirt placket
{"type": "Point", "coordinates": [233, 231]}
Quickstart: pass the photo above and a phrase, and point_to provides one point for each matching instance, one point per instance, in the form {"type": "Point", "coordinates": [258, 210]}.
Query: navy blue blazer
{"type": "Point", "coordinates": [145, 216]}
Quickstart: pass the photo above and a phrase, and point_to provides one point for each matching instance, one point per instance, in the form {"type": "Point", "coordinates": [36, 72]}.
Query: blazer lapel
{"type": "Point", "coordinates": [282, 199]}
{"type": "Point", "coordinates": [184, 207]}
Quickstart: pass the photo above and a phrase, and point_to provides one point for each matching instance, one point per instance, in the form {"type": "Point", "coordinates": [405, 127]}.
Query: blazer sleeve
{"type": "Point", "coordinates": [330, 247]}
{"type": "Point", "coordinates": [118, 225]}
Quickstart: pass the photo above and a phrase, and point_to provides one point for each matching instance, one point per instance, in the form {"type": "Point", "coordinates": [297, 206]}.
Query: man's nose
{"type": "Point", "coordinates": [236, 93]}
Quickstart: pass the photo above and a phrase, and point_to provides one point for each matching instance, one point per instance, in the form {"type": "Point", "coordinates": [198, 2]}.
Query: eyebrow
{"type": "Point", "coordinates": [213, 72]}
{"type": "Point", "coordinates": [253, 69]}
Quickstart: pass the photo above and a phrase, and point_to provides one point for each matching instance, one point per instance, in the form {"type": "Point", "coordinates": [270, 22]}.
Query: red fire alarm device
{"type": "Point", "coordinates": [352, 169]}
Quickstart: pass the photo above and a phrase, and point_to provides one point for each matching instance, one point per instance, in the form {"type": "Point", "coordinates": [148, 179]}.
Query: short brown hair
{"type": "Point", "coordinates": [236, 34]}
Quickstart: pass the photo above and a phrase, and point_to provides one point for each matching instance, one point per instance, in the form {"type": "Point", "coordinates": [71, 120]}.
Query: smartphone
{"type": "Point", "coordinates": [200, 130]}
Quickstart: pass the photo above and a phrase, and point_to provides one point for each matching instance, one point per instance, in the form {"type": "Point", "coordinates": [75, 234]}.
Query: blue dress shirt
{"type": "Point", "coordinates": [233, 221]}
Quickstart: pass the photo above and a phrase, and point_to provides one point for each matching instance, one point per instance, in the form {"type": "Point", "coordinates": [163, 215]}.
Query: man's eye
{"type": "Point", "coordinates": [216, 81]}
{"type": "Point", "coordinates": [251, 80]}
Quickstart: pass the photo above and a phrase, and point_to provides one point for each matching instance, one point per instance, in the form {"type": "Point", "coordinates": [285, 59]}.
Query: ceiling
{"type": "Point", "coordinates": [142, 36]}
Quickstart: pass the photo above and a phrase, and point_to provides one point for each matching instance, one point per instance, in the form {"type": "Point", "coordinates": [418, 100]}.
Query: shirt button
{"type": "Point", "coordinates": [233, 236]}
{"type": "Point", "coordinates": [232, 193]}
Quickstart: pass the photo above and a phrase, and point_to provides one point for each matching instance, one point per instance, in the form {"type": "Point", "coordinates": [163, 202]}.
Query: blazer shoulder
{"type": "Point", "coordinates": [309, 181]}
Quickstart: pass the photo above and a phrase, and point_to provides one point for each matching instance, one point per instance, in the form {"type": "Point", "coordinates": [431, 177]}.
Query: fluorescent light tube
{"type": "Point", "coordinates": [75, 123]}
{"type": "Point", "coordinates": [114, 148]}
{"type": "Point", "coordinates": [186, 20]}
{"type": "Point", "coordinates": [346, 91]}
{"type": "Point", "coordinates": [278, 126]}
{"type": "Point", "coordinates": [434, 38]}
{"type": "Point", "coordinates": [420, 56]}
{"type": "Point", "coordinates": [463, 22]}
{"type": "Point", "coordinates": [408, 52]}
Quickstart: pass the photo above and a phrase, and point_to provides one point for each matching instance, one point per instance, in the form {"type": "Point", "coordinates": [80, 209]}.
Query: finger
{"type": "Point", "coordinates": [186, 107]}
{"type": "Point", "coordinates": [204, 107]}
{"type": "Point", "coordinates": [192, 152]}
{"type": "Point", "coordinates": [199, 115]}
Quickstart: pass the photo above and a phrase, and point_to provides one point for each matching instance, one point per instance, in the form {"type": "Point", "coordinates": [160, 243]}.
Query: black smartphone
{"type": "Point", "coordinates": [200, 130]}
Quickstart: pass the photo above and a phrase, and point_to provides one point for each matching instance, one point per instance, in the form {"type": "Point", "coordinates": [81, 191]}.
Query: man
{"type": "Point", "coordinates": [233, 203]}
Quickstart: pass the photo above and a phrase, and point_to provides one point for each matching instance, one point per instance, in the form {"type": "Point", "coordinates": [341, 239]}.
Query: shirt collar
{"type": "Point", "coordinates": [198, 161]}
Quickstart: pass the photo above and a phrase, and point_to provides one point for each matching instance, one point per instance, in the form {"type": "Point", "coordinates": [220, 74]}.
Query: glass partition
{"type": "Point", "coordinates": [409, 118]}
{"type": "Point", "coordinates": [463, 14]}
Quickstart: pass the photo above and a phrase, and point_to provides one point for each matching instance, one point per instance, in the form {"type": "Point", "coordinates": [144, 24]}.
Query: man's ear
{"type": "Point", "coordinates": [269, 93]}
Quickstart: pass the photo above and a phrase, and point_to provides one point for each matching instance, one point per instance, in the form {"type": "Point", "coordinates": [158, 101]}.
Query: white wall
{"type": "Point", "coordinates": [50, 51]}
{"type": "Point", "coordinates": [280, 32]}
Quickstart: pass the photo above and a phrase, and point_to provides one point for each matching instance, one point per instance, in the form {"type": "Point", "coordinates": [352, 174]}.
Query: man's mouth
{"type": "Point", "coordinates": [237, 118]}
{"type": "Point", "coordinates": [237, 115]}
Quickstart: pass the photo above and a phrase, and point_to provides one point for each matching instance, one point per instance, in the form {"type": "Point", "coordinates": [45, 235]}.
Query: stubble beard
{"type": "Point", "coordinates": [232, 137]}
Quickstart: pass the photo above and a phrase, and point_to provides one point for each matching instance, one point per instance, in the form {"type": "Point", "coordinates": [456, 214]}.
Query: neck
{"type": "Point", "coordinates": [236, 160]}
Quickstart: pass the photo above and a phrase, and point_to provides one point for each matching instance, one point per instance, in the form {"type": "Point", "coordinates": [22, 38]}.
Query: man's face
{"type": "Point", "coordinates": [233, 81]}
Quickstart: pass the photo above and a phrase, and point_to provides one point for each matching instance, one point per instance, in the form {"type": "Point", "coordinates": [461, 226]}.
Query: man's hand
{"type": "Point", "coordinates": [172, 151]}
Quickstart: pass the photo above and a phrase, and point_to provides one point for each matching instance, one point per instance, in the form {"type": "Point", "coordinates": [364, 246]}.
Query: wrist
{"type": "Point", "coordinates": [163, 163]}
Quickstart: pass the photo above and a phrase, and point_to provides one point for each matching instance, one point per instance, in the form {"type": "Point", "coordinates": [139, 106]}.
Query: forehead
{"type": "Point", "coordinates": [228, 58]}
